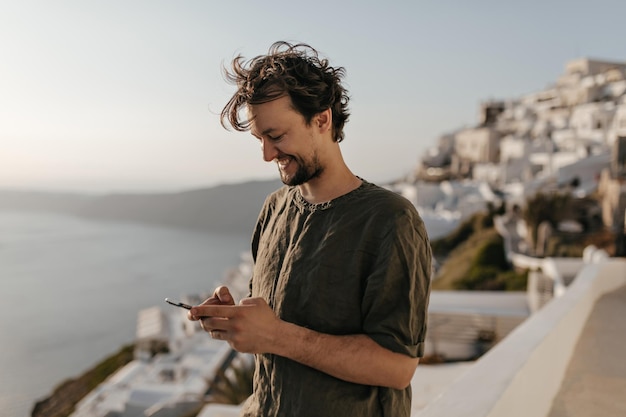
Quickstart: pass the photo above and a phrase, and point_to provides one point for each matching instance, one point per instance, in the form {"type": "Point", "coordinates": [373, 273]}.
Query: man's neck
{"type": "Point", "coordinates": [328, 187]}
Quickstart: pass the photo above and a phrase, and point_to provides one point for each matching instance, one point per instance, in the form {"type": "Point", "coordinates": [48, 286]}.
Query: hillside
{"type": "Point", "coordinates": [230, 208]}
{"type": "Point", "coordinates": [65, 396]}
{"type": "Point", "coordinates": [472, 257]}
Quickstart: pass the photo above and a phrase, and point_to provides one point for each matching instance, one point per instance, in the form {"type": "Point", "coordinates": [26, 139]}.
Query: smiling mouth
{"type": "Point", "coordinates": [283, 163]}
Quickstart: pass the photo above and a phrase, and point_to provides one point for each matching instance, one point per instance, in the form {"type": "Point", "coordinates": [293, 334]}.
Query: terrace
{"type": "Point", "coordinates": [564, 360]}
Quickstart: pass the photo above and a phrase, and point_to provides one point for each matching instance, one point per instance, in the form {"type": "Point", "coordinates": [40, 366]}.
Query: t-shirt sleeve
{"type": "Point", "coordinates": [396, 293]}
{"type": "Point", "coordinates": [258, 230]}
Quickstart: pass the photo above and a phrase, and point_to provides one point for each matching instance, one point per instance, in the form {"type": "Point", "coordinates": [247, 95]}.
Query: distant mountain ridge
{"type": "Point", "coordinates": [227, 208]}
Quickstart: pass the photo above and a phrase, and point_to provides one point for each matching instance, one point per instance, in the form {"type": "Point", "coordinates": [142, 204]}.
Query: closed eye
{"type": "Point", "coordinates": [268, 133]}
{"type": "Point", "coordinates": [275, 138]}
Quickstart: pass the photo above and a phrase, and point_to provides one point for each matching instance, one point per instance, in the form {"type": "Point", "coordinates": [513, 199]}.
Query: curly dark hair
{"type": "Point", "coordinates": [287, 69]}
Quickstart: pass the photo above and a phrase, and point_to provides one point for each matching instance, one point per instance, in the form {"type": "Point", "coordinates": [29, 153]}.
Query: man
{"type": "Point", "coordinates": [336, 316]}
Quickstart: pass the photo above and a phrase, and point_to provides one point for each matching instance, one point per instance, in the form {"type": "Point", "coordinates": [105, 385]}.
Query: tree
{"type": "Point", "coordinates": [548, 207]}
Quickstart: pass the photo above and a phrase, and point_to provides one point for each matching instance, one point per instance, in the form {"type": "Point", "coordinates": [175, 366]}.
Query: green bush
{"type": "Point", "coordinates": [490, 271]}
{"type": "Point", "coordinates": [480, 278]}
{"type": "Point", "coordinates": [492, 254]}
{"type": "Point", "coordinates": [548, 207]}
{"type": "Point", "coordinates": [476, 223]}
{"type": "Point", "coordinates": [492, 279]}
{"type": "Point", "coordinates": [565, 246]}
{"type": "Point", "coordinates": [513, 280]}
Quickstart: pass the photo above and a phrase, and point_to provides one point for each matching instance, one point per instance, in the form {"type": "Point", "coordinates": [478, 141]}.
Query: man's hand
{"type": "Point", "coordinates": [221, 296]}
{"type": "Point", "coordinates": [249, 327]}
{"type": "Point", "coordinates": [253, 327]}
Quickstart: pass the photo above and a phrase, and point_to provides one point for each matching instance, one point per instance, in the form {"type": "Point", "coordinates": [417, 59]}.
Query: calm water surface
{"type": "Point", "coordinates": [70, 291]}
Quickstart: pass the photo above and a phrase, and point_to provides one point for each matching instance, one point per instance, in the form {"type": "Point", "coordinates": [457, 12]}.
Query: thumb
{"type": "Point", "coordinates": [224, 295]}
{"type": "Point", "coordinates": [252, 301]}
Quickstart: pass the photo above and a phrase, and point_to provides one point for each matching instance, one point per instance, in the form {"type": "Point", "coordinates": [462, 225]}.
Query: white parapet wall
{"type": "Point", "coordinates": [523, 373]}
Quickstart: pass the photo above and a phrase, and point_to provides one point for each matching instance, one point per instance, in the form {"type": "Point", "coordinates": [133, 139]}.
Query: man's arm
{"type": "Point", "coordinates": [252, 327]}
{"type": "Point", "coordinates": [353, 358]}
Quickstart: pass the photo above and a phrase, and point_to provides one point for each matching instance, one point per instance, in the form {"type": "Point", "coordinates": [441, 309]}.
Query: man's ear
{"type": "Point", "coordinates": [324, 120]}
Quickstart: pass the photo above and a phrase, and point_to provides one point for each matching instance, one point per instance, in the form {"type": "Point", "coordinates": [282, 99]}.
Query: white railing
{"type": "Point", "coordinates": [522, 374]}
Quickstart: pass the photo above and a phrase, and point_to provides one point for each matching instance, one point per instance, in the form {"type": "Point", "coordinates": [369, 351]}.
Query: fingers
{"type": "Point", "coordinates": [237, 324]}
{"type": "Point", "coordinates": [221, 318]}
{"type": "Point", "coordinates": [213, 310]}
{"type": "Point", "coordinates": [214, 323]}
{"type": "Point", "coordinates": [223, 295]}
{"type": "Point", "coordinates": [209, 301]}
{"type": "Point", "coordinates": [247, 327]}
{"type": "Point", "coordinates": [255, 301]}
{"type": "Point", "coordinates": [211, 324]}
{"type": "Point", "coordinates": [226, 311]}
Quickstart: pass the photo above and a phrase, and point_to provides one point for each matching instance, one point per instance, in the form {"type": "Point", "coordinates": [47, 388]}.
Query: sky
{"type": "Point", "coordinates": [124, 96]}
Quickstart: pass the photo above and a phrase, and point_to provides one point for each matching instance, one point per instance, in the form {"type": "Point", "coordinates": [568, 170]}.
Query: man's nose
{"type": "Point", "coordinates": [269, 150]}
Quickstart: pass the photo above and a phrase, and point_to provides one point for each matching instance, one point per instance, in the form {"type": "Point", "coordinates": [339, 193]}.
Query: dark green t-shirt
{"type": "Point", "coordinates": [359, 264]}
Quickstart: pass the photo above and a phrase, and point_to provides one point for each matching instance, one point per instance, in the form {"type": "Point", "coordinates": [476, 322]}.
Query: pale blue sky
{"type": "Point", "coordinates": [123, 95]}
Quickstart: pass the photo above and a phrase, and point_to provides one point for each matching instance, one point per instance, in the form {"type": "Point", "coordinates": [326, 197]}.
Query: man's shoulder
{"type": "Point", "coordinates": [390, 207]}
{"type": "Point", "coordinates": [279, 194]}
{"type": "Point", "coordinates": [386, 198]}
{"type": "Point", "coordinates": [375, 197]}
{"type": "Point", "coordinates": [278, 200]}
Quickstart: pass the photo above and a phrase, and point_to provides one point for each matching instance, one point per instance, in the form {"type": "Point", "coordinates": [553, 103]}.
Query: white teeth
{"type": "Point", "coordinates": [282, 163]}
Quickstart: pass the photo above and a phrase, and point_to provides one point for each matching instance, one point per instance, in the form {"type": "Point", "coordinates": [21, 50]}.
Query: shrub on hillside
{"type": "Point", "coordinates": [490, 271]}
{"type": "Point", "coordinates": [480, 278]}
{"type": "Point", "coordinates": [478, 222]}
{"type": "Point", "coordinates": [492, 279]}
{"type": "Point", "coordinates": [492, 254]}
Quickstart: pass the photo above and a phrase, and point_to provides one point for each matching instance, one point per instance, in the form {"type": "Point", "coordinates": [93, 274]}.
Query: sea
{"type": "Point", "coordinates": [71, 289]}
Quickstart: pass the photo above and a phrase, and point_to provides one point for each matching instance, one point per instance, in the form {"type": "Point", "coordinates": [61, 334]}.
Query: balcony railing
{"type": "Point", "coordinates": [523, 373]}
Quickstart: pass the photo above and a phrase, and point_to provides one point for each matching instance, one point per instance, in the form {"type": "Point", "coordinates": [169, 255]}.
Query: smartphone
{"type": "Point", "coordinates": [178, 304]}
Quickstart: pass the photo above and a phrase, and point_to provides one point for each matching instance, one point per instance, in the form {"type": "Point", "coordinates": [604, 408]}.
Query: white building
{"type": "Point", "coordinates": [478, 145]}
{"type": "Point", "coordinates": [592, 121]}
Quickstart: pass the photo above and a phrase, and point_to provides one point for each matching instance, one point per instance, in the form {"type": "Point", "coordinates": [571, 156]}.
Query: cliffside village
{"type": "Point", "coordinates": [569, 137]}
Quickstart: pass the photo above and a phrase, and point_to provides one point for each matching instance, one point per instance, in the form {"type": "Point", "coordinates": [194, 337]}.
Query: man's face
{"type": "Point", "coordinates": [287, 140]}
